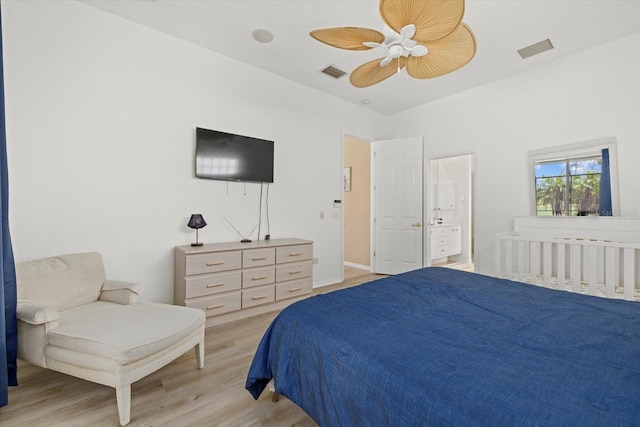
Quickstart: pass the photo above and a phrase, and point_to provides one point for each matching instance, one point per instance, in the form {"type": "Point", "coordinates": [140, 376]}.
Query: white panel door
{"type": "Point", "coordinates": [397, 198]}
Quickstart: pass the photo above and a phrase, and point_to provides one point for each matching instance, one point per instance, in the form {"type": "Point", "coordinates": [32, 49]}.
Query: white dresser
{"type": "Point", "coordinates": [231, 281]}
{"type": "Point", "coordinates": [446, 240]}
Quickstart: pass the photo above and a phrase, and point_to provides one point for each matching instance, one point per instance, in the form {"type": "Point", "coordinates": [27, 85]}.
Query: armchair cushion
{"type": "Point", "coordinates": [61, 282]}
{"type": "Point", "coordinates": [120, 292]}
{"type": "Point", "coordinates": [123, 333]}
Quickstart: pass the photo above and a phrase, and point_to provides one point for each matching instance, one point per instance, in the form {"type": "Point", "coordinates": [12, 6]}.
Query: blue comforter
{"type": "Point", "coordinates": [441, 347]}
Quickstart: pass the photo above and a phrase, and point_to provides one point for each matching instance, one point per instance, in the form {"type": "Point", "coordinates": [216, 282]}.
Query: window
{"type": "Point", "coordinates": [575, 180]}
{"type": "Point", "coordinates": [568, 186]}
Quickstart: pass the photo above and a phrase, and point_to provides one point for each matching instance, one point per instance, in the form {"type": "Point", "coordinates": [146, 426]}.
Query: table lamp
{"type": "Point", "coordinates": [196, 221]}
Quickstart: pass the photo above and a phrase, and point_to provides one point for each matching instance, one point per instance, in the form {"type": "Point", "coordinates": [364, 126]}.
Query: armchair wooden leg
{"type": "Point", "coordinates": [200, 354]}
{"type": "Point", "coordinates": [123, 397]}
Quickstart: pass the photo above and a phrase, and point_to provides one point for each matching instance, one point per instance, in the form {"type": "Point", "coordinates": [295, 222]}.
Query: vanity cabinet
{"type": "Point", "coordinates": [446, 240]}
{"type": "Point", "coordinates": [231, 281]}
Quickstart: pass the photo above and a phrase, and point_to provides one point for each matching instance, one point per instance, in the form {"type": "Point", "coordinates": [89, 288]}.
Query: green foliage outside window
{"type": "Point", "coordinates": [568, 187]}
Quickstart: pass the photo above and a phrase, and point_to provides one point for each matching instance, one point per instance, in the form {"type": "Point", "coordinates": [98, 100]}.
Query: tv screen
{"type": "Point", "coordinates": [230, 157]}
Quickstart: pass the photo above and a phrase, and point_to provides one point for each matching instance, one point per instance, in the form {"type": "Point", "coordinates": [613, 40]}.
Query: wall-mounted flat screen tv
{"type": "Point", "coordinates": [229, 157]}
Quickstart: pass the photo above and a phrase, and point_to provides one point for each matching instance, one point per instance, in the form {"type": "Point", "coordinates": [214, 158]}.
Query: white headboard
{"type": "Point", "coordinates": [593, 255]}
{"type": "Point", "coordinates": [585, 227]}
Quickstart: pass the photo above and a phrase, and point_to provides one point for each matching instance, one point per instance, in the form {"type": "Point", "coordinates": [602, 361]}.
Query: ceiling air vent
{"type": "Point", "coordinates": [334, 72]}
{"type": "Point", "coordinates": [535, 49]}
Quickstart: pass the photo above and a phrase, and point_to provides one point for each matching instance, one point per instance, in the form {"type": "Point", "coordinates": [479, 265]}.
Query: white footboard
{"type": "Point", "coordinates": [594, 266]}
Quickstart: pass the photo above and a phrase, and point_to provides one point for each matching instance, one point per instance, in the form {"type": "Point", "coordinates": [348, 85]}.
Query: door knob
{"type": "Point", "coordinates": [417, 224]}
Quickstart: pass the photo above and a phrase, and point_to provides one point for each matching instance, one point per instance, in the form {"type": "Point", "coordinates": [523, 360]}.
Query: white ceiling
{"type": "Point", "coordinates": [501, 27]}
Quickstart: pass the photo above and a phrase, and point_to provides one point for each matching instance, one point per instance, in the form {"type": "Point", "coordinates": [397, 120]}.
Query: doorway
{"type": "Point", "coordinates": [450, 212]}
{"type": "Point", "coordinates": [356, 206]}
{"type": "Point", "coordinates": [394, 243]}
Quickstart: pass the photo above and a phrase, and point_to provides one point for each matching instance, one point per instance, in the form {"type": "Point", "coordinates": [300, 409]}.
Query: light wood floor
{"type": "Point", "coordinates": [176, 395]}
{"type": "Point", "coordinates": [456, 266]}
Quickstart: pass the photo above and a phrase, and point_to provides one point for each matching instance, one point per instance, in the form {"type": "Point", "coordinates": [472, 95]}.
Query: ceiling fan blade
{"type": "Point", "coordinates": [434, 19]}
{"type": "Point", "coordinates": [351, 38]}
{"type": "Point", "coordinates": [371, 72]}
{"type": "Point", "coordinates": [372, 44]}
{"type": "Point", "coordinates": [445, 55]}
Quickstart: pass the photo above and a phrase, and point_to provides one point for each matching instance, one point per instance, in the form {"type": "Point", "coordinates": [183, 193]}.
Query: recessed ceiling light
{"type": "Point", "coordinates": [263, 36]}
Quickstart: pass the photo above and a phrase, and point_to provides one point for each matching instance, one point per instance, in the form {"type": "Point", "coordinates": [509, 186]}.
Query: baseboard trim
{"type": "Point", "coordinates": [360, 266]}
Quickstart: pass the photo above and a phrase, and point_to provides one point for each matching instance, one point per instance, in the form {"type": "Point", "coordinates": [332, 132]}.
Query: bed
{"type": "Point", "coordinates": [444, 347]}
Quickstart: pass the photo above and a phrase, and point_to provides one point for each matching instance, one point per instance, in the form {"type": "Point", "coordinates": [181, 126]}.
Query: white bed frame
{"type": "Point", "coordinates": [592, 255]}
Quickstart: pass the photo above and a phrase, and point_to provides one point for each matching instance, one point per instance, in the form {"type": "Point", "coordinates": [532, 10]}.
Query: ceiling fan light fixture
{"type": "Point", "coordinates": [396, 51]}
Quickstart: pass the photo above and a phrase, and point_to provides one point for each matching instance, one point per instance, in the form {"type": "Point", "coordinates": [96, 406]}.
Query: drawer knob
{"type": "Point", "coordinates": [295, 253]}
{"type": "Point", "coordinates": [215, 285]}
{"type": "Point", "coordinates": [211, 264]}
{"type": "Point", "coordinates": [294, 289]}
{"type": "Point", "coordinates": [259, 278]}
{"type": "Point", "coordinates": [258, 258]}
{"type": "Point", "coordinates": [295, 272]}
{"type": "Point", "coordinates": [212, 307]}
{"type": "Point", "coordinates": [258, 297]}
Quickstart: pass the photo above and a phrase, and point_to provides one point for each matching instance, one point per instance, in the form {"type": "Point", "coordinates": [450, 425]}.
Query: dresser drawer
{"type": "Point", "coordinates": [440, 251]}
{"type": "Point", "coordinates": [258, 257]}
{"type": "Point", "coordinates": [209, 284]}
{"type": "Point", "coordinates": [258, 276]}
{"type": "Point", "coordinates": [294, 270]}
{"type": "Point", "coordinates": [219, 304]}
{"type": "Point", "coordinates": [293, 288]}
{"type": "Point", "coordinates": [213, 262]}
{"type": "Point", "coordinates": [293, 253]}
{"type": "Point", "coordinates": [441, 241]}
{"type": "Point", "coordinates": [257, 296]}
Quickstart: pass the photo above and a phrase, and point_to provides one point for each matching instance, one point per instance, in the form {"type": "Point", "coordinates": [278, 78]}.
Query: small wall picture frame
{"type": "Point", "coordinates": [346, 178]}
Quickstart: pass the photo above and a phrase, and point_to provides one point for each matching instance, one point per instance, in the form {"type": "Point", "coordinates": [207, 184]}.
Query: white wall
{"type": "Point", "coordinates": [101, 115]}
{"type": "Point", "coordinates": [589, 95]}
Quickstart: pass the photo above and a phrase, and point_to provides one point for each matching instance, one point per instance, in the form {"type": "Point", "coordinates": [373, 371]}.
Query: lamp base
{"type": "Point", "coordinates": [196, 244]}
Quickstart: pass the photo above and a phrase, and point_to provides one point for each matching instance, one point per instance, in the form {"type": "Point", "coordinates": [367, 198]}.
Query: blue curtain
{"type": "Point", "coordinates": [605, 208]}
{"type": "Point", "coordinates": [8, 298]}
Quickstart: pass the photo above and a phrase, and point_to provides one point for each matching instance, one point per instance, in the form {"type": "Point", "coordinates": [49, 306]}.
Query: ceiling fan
{"type": "Point", "coordinates": [426, 36]}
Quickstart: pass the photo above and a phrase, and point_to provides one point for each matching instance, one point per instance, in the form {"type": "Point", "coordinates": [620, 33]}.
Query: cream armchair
{"type": "Point", "coordinates": [72, 320]}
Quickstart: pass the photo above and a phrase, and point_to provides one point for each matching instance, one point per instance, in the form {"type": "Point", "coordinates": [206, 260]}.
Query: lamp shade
{"type": "Point", "coordinates": [196, 221]}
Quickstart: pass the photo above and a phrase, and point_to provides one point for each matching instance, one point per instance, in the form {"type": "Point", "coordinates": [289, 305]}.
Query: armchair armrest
{"type": "Point", "coordinates": [36, 314]}
{"type": "Point", "coordinates": [120, 292]}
